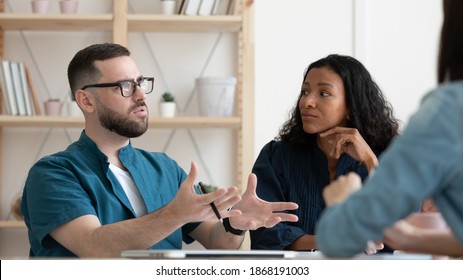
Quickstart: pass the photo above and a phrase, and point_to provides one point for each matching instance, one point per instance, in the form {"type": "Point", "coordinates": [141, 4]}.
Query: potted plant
{"type": "Point", "coordinates": [167, 105]}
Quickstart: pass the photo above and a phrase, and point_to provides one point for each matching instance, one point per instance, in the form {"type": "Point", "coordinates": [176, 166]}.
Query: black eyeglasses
{"type": "Point", "coordinates": [128, 87]}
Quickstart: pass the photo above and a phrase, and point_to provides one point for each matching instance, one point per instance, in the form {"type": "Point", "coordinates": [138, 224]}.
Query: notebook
{"type": "Point", "coordinates": [208, 254]}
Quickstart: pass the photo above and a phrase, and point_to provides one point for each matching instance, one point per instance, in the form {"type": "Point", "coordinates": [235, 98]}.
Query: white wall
{"type": "Point", "coordinates": [395, 39]}
{"type": "Point", "coordinates": [401, 45]}
{"type": "Point", "coordinates": [287, 39]}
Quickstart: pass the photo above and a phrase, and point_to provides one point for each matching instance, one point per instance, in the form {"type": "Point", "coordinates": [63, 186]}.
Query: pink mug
{"type": "Point", "coordinates": [427, 220]}
{"type": "Point", "coordinates": [52, 108]}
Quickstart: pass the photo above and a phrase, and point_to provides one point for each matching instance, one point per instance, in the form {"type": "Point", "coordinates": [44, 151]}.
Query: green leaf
{"type": "Point", "coordinates": [167, 97]}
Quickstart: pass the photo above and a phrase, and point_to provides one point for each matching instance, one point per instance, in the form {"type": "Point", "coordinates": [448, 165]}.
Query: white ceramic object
{"type": "Point", "coordinates": [216, 96]}
{"type": "Point", "coordinates": [168, 7]}
{"type": "Point", "coordinates": [68, 6]}
{"type": "Point", "coordinates": [167, 109]}
{"type": "Point", "coordinates": [52, 108]}
{"type": "Point", "coordinates": [40, 6]}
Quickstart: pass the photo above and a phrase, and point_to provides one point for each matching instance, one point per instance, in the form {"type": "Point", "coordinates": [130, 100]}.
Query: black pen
{"type": "Point", "coordinates": [214, 208]}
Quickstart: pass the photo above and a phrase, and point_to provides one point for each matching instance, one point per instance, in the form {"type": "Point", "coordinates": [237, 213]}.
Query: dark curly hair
{"type": "Point", "coordinates": [369, 111]}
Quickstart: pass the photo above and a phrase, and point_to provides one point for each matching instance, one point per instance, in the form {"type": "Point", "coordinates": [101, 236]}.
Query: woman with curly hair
{"type": "Point", "coordinates": [340, 124]}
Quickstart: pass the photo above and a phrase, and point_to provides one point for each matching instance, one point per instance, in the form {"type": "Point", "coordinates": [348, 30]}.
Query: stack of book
{"type": "Point", "coordinates": [208, 7]}
{"type": "Point", "coordinates": [18, 97]}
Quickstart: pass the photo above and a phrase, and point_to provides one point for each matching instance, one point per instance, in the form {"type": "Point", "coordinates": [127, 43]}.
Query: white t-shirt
{"type": "Point", "coordinates": [130, 189]}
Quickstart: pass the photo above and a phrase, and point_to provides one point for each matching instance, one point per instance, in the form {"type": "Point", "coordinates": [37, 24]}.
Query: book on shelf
{"type": "Point", "coordinates": [223, 7]}
{"type": "Point", "coordinates": [229, 9]}
{"type": "Point", "coordinates": [215, 7]}
{"type": "Point", "coordinates": [234, 8]}
{"type": "Point", "coordinates": [17, 95]}
{"type": "Point", "coordinates": [205, 7]}
{"type": "Point", "coordinates": [218, 7]}
{"type": "Point", "coordinates": [17, 88]}
{"type": "Point", "coordinates": [4, 97]}
{"type": "Point", "coordinates": [8, 94]}
{"type": "Point", "coordinates": [180, 5]}
{"type": "Point", "coordinates": [35, 100]}
{"type": "Point", "coordinates": [192, 7]}
{"type": "Point", "coordinates": [25, 90]}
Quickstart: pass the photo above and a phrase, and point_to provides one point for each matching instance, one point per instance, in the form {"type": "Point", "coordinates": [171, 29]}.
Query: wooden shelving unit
{"type": "Point", "coordinates": [154, 122]}
{"type": "Point", "coordinates": [150, 23]}
{"type": "Point", "coordinates": [55, 22]}
{"type": "Point", "coordinates": [120, 23]}
{"type": "Point", "coordinates": [104, 22]}
{"type": "Point", "coordinates": [12, 224]}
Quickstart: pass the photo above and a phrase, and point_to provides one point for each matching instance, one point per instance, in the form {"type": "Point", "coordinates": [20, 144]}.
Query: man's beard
{"type": "Point", "coordinates": [122, 124]}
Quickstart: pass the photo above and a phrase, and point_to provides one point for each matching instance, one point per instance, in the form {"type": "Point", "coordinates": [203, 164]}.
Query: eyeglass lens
{"type": "Point", "coordinates": [129, 87]}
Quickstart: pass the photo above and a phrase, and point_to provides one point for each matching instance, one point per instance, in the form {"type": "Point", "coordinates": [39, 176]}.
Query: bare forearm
{"type": "Point", "coordinates": [140, 233]}
{"type": "Point", "coordinates": [371, 162]}
{"type": "Point", "coordinates": [437, 243]}
{"type": "Point", "coordinates": [109, 240]}
{"type": "Point", "coordinates": [212, 235]}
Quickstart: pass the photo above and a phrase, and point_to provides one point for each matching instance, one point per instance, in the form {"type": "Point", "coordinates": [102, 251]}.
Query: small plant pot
{"type": "Point", "coordinates": [52, 107]}
{"type": "Point", "coordinates": [40, 6]}
{"type": "Point", "coordinates": [167, 109]}
{"type": "Point", "coordinates": [68, 6]}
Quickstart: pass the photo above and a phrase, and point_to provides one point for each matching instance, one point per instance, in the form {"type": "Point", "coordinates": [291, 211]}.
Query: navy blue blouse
{"type": "Point", "coordinates": [295, 173]}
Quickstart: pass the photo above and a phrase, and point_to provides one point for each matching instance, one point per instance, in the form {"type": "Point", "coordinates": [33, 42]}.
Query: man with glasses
{"type": "Point", "coordinates": [101, 196]}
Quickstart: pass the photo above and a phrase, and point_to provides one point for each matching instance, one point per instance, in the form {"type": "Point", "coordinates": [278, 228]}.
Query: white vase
{"type": "Point", "coordinates": [167, 109]}
{"type": "Point", "coordinates": [216, 96]}
{"type": "Point", "coordinates": [168, 7]}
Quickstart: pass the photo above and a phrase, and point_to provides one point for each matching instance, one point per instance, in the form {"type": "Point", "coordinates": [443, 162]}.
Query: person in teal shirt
{"type": "Point", "coordinates": [425, 162]}
{"type": "Point", "coordinates": [102, 196]}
